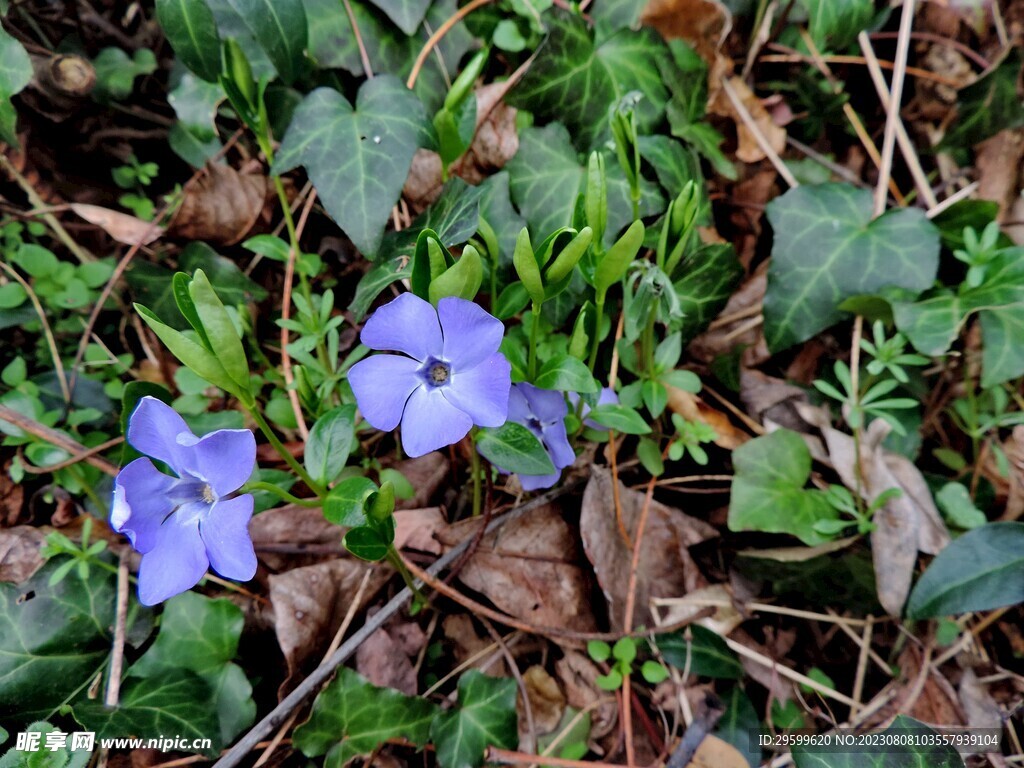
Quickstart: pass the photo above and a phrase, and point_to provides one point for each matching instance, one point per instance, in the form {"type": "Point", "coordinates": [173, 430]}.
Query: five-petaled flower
{"type": "Point", "coordinates": [543, 412]}
{"type": "Point", "coordinates": [183, 525]}
{"type": "Point", "coordinates": [449, 376]}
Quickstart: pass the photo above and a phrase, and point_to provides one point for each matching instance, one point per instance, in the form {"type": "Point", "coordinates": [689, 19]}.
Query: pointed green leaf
{"type": "Point", "coordinates": [485, 717]}
{"type": "Point", "coordinates": [620, 418]}
{"type": "Point", "coordinates": [461, 280]}
{"type": "Point", "coordinates": [705, 651]}
{"type": "Point", "coordinates": [834, 24]}
{"type": "Point", "coordinates": [357, 158]}
{"type": "Point", "coordinates": [617, 259]}
{"type": "Point", "coordinates": [330, 442]}
{"type": "Point", "coordinates": [407, 14]}
{"type": "Point", "coordinates": [988, 105]}
{"type": "Point", "coordinates": [366, 543]}
{"type": "Point", "coordinates": [345, 502]}
{"type": "Point", "coordinates": [192, 32]}
{"type": "Point", "coordinates": [514, 448]}
{"type": "Point", "coordinates": [190, 353]}
{"type": "Point", "coordinates": [566, 374]}
{"type": "Point", "coordinates": [827, 248]}
{"type": "Point", "coordinates": [219, 331]}
{"type": "Point", "coordinates": [280, 29]}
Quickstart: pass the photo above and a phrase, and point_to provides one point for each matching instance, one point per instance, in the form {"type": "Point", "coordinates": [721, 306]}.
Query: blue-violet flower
{"type": "Point", "coordinates": [543, 412]}
{"type": "Point", "coordinates": [182, 525]}
{"type": "Point", "coordinates": [607, 397]}
{"type": "Point", "coordinates": [449, 376]}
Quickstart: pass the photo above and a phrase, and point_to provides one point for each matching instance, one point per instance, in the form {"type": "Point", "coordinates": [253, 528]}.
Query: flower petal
{"type": "Point", "coordinates": [537, 482]}
{"type": "Point", "coordinates": [431, 422]}
{"type": "Point", "coordinates": [176, 562]}
{"type": "Point", "coordinates": [225, 532]}
{"type": "Point", "coordinates": [470, 334]}
{"type": "Point", "coordinates": [518, 406]}
{"type": "Point", "coordinates": [141, 503]}
{"type": "Point", "coordinates": [408, 324]}
{"type": "Point", "coordinates": [557, 442]}
{"type": "Point", "coordinates": [154, 429]}
{"type": "Point", "coordinates": [547, 405]}
{"type": "Point", "coordinates": [382, 385]}
{"type": "Point", "coordinates": [482, 391]}
{"type": "Point", "coordinates": [224, 459]}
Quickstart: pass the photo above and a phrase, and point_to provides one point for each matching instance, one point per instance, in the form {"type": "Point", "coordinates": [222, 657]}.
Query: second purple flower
{"type": "Point", "coordinates": [449, 376]}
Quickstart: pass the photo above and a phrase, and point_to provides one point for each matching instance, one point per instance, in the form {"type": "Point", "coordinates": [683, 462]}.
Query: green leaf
{"type": "Point", "coordinates": [175, 702]}
{"type": "Point", "coordinates": [407, 14]}
{"type": "Point", "coordinates": [546, 176]}
{"type": "Point", "coordinates": [981, 570]}
{"type": "Point", "coordinates": [220, 331]}
{"type": "Point", "coordinates": [330, 443]}
{"type": "Point", "coordinates": [190, 353]}
{"type": "Point", "coordinates": [192, 32]}
{"type": "Point", "coordinates": [708, 653]}
{"type": "Point", "coordinates": [366, 543]}
{"type": "Point", "coordinates": [524, 259]}
{"type": "Point", "coordinates": [835, 24]}
{"type": "Point", "coordinates": [956, 504]}
{"type": "Point", "coordinates": [280, 29]}
{"type": "Point", "coordinates": [195, 102]}
{"type": "Point", "coordinates": [899, 746]}
{"type": "Point", "coordinates": [358, 159]}
{"type": "Point", "coordinates": [461, 280]}
{"type": "Point", "coordinates": [485, 717]}
{"type": "Point", "coordinates": [566, 374]}
{"type": "Point", "coordinates": [452, 218]}
{"type": "Point", "coordinates": [345, 501]}
{"type": "Point", "coordinates": [201, 635]}
{"type": "Point", "coordinates": [768, 489]}
{"type": "Point", "coordinates": [379, 277]}
{"type": "Point", "coordinates": [233, 286]}
{"type": "Point", "coordinates": [351, 717]}
{"type": "Point", "coordinates": [615, 262]}
{"type": "Point", "coordinates": [116, 73]}
{"type": "Point", "coordinates": [64, 757]}
{"type": "Point", "coordinates": [620, 418]}
{"type": "Point", "coordinates": [988, 105]}
{"type": "Point", "coordinates": [737, 723]}
{"type": "Point", "coordinates": [575, 79]}
{"type": "Point", "coordinates": [515, 449]}
{"type": "Point", "coordinates": [827, 249]}
{"type": "Point", "coordinates": [53, 638]}
{"type": "Point", "coordinates": [710, 275]}
{"type": "Point", "coordinates": [15, 74]}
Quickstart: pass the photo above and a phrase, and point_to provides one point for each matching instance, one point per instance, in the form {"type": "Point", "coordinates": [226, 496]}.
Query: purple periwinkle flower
{"type": "Point", "coordinates": [607, 397]}
{"type": "Point", "coordinates": [449, 376]}
{"type": "Point", "coordinates": [183, 525]}
{"type": "Point", "coordinates": [543, 412]}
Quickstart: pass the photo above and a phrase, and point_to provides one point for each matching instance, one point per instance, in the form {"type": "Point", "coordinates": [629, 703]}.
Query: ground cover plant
{"type": "Point", "coordinates": [608, 384]}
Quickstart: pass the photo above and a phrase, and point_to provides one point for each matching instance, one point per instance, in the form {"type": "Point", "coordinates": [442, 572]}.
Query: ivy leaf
{"type": "Point", "coordinates": [330, 442]}
{"type": "Point", "coordinates": [195, 102]}
{"type": "Point", "coordinates": [379, 277]}
{"type": "Point", "coordinates": [988, 105]}
{"type": "Point", "coordinates": [710, 274]}
{"type": "Point", "coordinates": [708, 654]}
{"type": "Point", "coordinates": [979, 571]}
{"type": "Point", "coordinates": [835, 24]}
{"type": "Point", "coordinates": [575, 79]}
{"type": "Point", "coordinates": [351, 717]}
{"type": "Point", "coordinates": [515, 449]}
{"type": "Point", "coordinates": [738, 722]}
{"type": "Point", "coordinates": [357, 158]}
{"type": "Point", "coordinates": [407, 14]}
{"type": "Point", "coordinates": [15, 74]}
{"type": "Point", "coordinates": [201, 635]}
{"type": "Point", "coordinates": [546, 176]}
{"type": "Point", "coordinates": [485, 717]}
{"type": "Point", "coordinates": [453, 217]}
{"type": "Point", "coordinates": [192, 32]}
{"type": "Point", "coordinates": [768, 489]}
{"type": "Point", "coordinates": [175, 701]}
{"type": "Point", "coordinates": [827, 249]}
{"type": "Point", "coordinates": [901, 745]}
{"type": "Point", "coordinates": [233, 286]}
{"type": "Point", "coordinates": [280, 29]}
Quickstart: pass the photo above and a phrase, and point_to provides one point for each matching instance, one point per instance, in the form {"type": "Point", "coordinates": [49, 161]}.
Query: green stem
{"type": "Point", "coordinates": [647, 345]}
{"type": "Point", "coordinates": [476, 470]}
{"type": "Point", "coordinates": [396, 562]}
{"type": "Point", "coordinates": [597, 333]}
{"type": "Point", "coordinates": [281, 493]}
{"type": "Point", "coordinates": [290, 460]}
{"type": "Point", "coordinates": [89, 491]}
{"type": "Point", "coordinates": [532, 363]}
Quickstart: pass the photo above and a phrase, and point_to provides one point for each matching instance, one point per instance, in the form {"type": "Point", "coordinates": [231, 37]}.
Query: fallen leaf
{"type": "Point", "coordinates": [419, 528]}
{"type": "Point", "coordinates": [1013, 448]}
{"type": "Point", "coordinates": [309, 605]}
{"type": "Point", "coordinates": [529, 569]}
{"type": "Point", "coordinates": [120, 226]}
{"type": "Point", "coordinates": [770, 399]}
{"type": "Point", "coordinates": [578, 675]}
{"type": "Point", "coordinates": [426, 474]}
{"type": "Point", "coordinates": [19, 552]}
{"type": "Point", "coordinates": [932, 701]}
{"type": "Point", "coordinates": [547, 702]}
{"type": "Point", "coordinates": [722, 621]}
{"type": "Point", "coordinates": [470, 647]}
{"type": "Point", "coordinates": [702, 23]}
{"type": "Point", "coordinates": [665, 567]}
{"type": "Point", "coordinates": [999, 160]}
{"type": "Point", "coordinates": [220, 206]}
{"type": "Point", "coordinates": [693, 408]}
{"type": "Point", "coordinates": [303, 530]}
{"type": "Point", "coordinates": [748, 149]}
{"type": "Point", "coordinates": [382, 661]}
{"type": "Point", "coordinates": [745, 330]}
{"type": "Point", "coordinates": [715, 753]}
{"type": "Point", "coordinates": [12, 498]}
{"type": "Point", "coordinates": [981, 709]}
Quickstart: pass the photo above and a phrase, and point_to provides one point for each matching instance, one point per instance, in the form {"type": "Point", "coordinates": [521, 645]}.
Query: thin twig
{"type": "Point", "coordinates": [862, 666]}
{"type": "Point", "coordinates": [758, 135]}
{"type": "Point", "coordinates": [509, 757]}
{"type": "Point", "coordinates": [435, 38]}
{"type": "Point", "coordinates": [120, 622]}
{"type": "Point", "coordinates": [892, 113]}
{"type": "Point", "coordinates": [367, 69]}
{"type": "Point", "coordinates": [56, 438]}
{"type": "Point", "coordinates": [49, 468]}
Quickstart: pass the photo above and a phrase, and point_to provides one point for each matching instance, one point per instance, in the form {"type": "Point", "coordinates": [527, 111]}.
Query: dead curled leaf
{"type": "Point", "coordinates": [693, 408]}
{"type": "Point", "coordinates": [120, 226]}
{"type": "Point", "coordinates": [665, 566]}
{"type": "Point", "coordinates": [702, 23]}
{"type": "Point", "coordinates": [221, 206]}
{"type": "Point", "coordinates": [19, 552]}
{"type": "Point", "coordinates": [748, 148]}
{"type": "Point", "coordinates": [578, 675]}
{"type": "Point", "coordinates": [547, 702]}
{"type": "Point", "coordinates": [713, 752]}
{"type": "Point", "coordinates": [904, 525]}
{"type": "Point", "coordinates": [529, 569]}
{"type": "Point", "coordinates": [384, 658]}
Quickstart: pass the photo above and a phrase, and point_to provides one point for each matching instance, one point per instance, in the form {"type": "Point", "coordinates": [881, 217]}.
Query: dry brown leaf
{"type": "Point", "coordinates": [547, 702]}
{"type": "Point", "coordinates": [382, 661]}
{"type": "Point", "coordinates": [932, 701]}
{"type": "Point", "coordinates": [12, 498]}
{"type": "Point", "coordinates": [904, 525]}
{"type": "Point", "coordinates": [665, 566]}
{"type": "Point", "coordinates": [120, 226]}
{"type": "Point", "coordinates": [702, 23]}
{"type": "Point", "coordinates": [748, 150]}
{"type": "Point", "coordinates": [723, 621]}
{"type": "Point", "coordinates": [745, 330]}
{"type": "Point", "coordinates": [769, 399]}
{"type": "Point", "coordinates": [309, 605]}
{"type": "Point", "coordinates": [221, 206]}
{"type": "Point", "coordinates": [19, 552]}
{"type": "Point", "coordinates": [425, 474]}
{"type": "Point", "coordinates": [693, 408]}
{"type": "Point", "coordinates": [466, 643]}
{"type": "Point", "coordinates": [302, 528]}
{"type": "Point", "coordinates": [419, 529]}
{"type": "Point", "coordinates": [715, 753]}
{"type": "Point", "coordinates": [1013, 448]}
{"type": "Point", "coordinates": [529, 569]}
{"type": "Point", "coordinates": [981, 709]}
{"type": "Point", "coordinates": [999, 161]}
{"type": "Point", "coordinates": [578, 675]}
